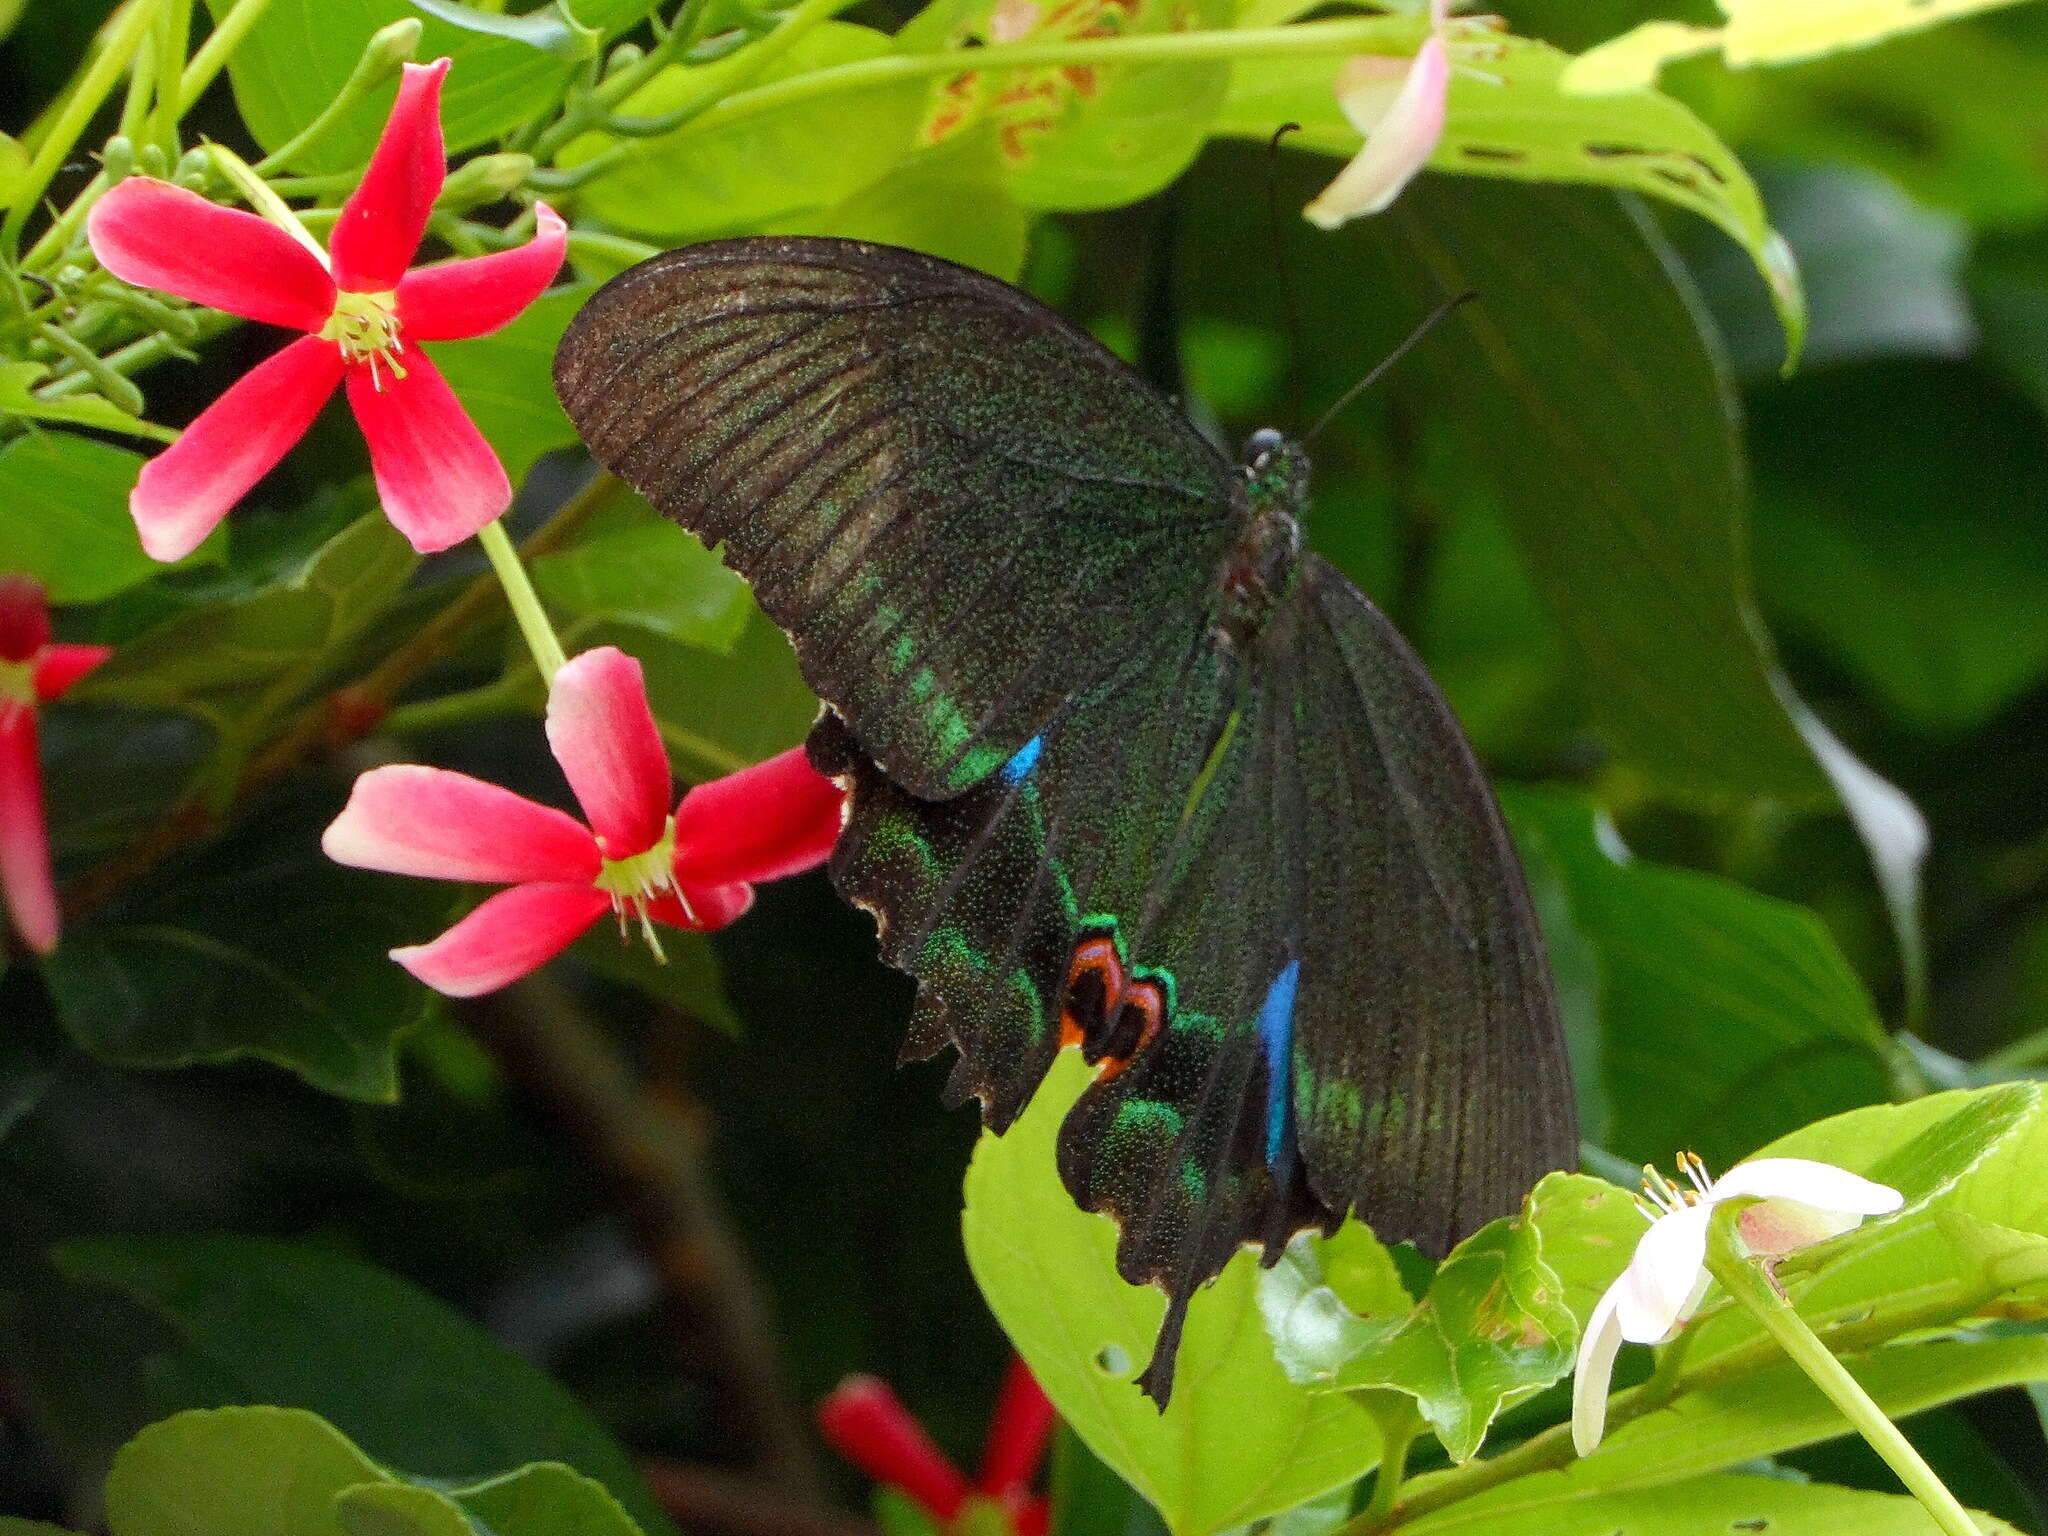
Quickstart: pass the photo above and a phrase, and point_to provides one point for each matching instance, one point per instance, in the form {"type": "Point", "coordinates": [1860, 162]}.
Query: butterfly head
{"type": "Point", "coordinates": [1276, 472]}
{"type": "Point", "coordinates": [1259, 565]}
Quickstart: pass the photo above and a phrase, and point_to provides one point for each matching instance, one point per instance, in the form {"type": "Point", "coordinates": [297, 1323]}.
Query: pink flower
{"type": "Point", "coordinates": [693, 869]}
{"type": "Point", "coordinates": [1399, 105]}
{"type": "Point", "coordinates": [365, 315]}
{"type": "Point", "coordinates": [867, 1423]}
{"type": "Point", "coordinates": [33, 671]}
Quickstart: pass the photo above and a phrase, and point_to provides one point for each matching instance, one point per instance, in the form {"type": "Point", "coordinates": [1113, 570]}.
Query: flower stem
{"type": "Point", "coordinates": [123, 37]}
{"type": "Point", "coordinates": [523, 600]}
{"type": "Point", "coordinates": [1400, 1424]}
{"type": "Point", "coordinates": [1745, 1280]}
{"type": "Point", "coordinates": [213, 54]}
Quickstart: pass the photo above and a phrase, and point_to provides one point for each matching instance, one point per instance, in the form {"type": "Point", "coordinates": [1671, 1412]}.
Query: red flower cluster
{"type": "Point", "coordinates": [866, 1423]}
{"type": "Point", "coordinates": [33, 671]}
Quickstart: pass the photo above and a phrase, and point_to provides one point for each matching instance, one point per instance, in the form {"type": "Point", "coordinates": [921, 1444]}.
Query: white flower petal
{"type": "Point", "coordinates": [1811, 1183]}
{"type": "Point", "coordinates": [1598, 1346]}
{"type": "Point", "coordinates": [1400, 145]}
{"type": "Point", "coordinates": [1656, 1290]}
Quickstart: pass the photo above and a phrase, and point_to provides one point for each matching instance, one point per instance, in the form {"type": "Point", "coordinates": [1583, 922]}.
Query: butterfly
{"type": "Point", "coordinates": [1129, 768]}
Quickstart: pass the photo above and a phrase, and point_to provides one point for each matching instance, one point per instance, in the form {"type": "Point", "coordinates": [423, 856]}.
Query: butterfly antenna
{"type": "Point", "coordinates": [1435, 318]}
{"type": "Point", "coordinates": [1290, 306]}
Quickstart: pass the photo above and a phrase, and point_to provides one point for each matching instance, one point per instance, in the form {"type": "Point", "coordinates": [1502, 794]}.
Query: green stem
{"type": "Point", "coordinates": [124, 36]}
{"type": "Point", "coordinates": [213, 54]}
{"type": "Point", "coordinates": [523, 600]}
{"type": "Point", "coordinates": [2022, 1055]}
{"type": "Point", "coordinates": [1746, 1281]}
{"type": "Point", "coordinates": [382, 58]}
{"type": "Point", "coordinates": [173, 36]}
{"type": "Point", "coordinates": [1400, 1425]}
{"type": "Point", "coordinates": [1371, 34]}
{"type": "Point", "coordinates": [493, 701]}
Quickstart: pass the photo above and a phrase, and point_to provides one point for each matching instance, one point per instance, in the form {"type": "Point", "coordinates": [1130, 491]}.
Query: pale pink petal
{"type": "Point", "coordinates": [706, 908]}
{"type": "Point", "coordinates": [57, 667]}
{"type": "Point", "coordinates": [24, 617]}
{"type": "Point", "coordinates": [1659, 1287]}
{"type": "Point", "coordinates": [410, 820]}
{"type": "Point", "coordinates": [604, 736]}
{"type": "Point", "coordinates": [189, 487]}
{"type": "Point", "coordinates": [1598, 1346]}
{"type": "Point", "coordinates": [474, 297]}
{"type": "Point", "coordinates": [1398, 146]}
{"type": "Point", "coordinates": [511, 935]}
{"type": "Point", "coordinates": [436, 475]}
{"type": "Point", "coordinates": [156, 235]}
{"type": "Point", "coordinates": [776, 818]}
{"type": "Point", "coordinates": [1773, 1228]}
{"type": "Point", "coordinates": [27, 887]}
{"type": "Point", "coordinates": [382, 221]}
{"type": "Point", "coordinates": [1817, 1184]}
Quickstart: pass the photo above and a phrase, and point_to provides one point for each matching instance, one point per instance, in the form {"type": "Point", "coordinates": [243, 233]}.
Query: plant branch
{"type": "Point", "coordinates": [649, 1151]}
{"type": "Point", "coordinates": [708, 1501]}
{"type": "Point", "coordinates": [336, 719]}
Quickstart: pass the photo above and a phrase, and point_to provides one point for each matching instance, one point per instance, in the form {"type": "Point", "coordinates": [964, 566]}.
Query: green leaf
{"type": "Point", "coordinates": [298, 55]}
{"type": "Point", "coordinates": [1974, 1155]}
{"type": "Point", "coordinates": [545, 1499]}
{"type": "Point", "coordinates": [398, 1509]}
{"type": "Point", "coordinates": [12, 1526]}
{"type": "Point", "coordinates": [1724, 1503]}
{"type": "Point", "coordinates": [1510, 116]}
{"type": "Point", "coordinates": [938, 203]}
{"type": "Point", "coordinates": [631, 564]}
{"type": "Point", "coordinates": [1905, 536]}
{"type": "Point", "coordinates": [1779, 31]}
{"type": "Point", "coordinates": [412, 1382]}
{"type": "Point", "coordinates": [1778, 1409]}
{"type": "Point", "coordinates": [1238, 1441]}
{"type": "Point", "coordinates": [234, 1472]}
{"type": "Point", "coordinates": [257, 946]}
{"type": "Point", "coordinates": [1494, 1327]}
{"type": "Point", "coordinates": [552, 29]}
{"type": "Point", "coordinates": [67, 522]}
{"type": "Point", "coordinates": [13, 158]}
{"type": "Point", "coordinates": [239, 665]}
{"type": "Point", "coordinates": [1884, 274]}
{"type": "Point", "coordinates": [1073, 138]}
{"type": "Point", "coordinates": [1726, 1017]}
{"type": "Point", "coordinates": [714, 177]}
{"type": "Point", "coordinates": [17, 380]}
{"type": "Point", "coordinates": [506, 380]}
{"type": "Point", "coordinates": [1582, 388]}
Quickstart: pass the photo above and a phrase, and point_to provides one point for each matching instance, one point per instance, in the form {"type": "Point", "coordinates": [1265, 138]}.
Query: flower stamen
{"type": "Point", "coordinates": [365, 327]}
{"type": "Point", "coordinates": [639, 879]}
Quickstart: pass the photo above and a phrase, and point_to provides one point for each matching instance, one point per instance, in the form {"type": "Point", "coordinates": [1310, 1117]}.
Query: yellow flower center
{"type": "Point", "coordinates": [17, 682]}
{"type": "Point", "coordinates": [635, 881]}
{"type": "Point", "coordinates": [365, 327]}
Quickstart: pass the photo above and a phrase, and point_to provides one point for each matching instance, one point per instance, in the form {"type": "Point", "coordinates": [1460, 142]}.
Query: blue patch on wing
{"type": "Point", "coordinates": [1018, 768]}
{"type": "Point", "coordinates": [1276, 1034]}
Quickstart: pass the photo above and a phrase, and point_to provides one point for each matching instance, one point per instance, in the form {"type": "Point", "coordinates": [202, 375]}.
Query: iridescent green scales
{"type": "Point", "coordinates": [1128, 770]}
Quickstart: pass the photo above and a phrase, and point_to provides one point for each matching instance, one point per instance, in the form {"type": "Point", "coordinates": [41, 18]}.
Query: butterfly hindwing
{"type": "Point", "coordinates": [959, 506]}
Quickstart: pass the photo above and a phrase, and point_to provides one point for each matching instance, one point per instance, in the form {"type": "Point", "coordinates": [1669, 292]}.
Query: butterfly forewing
{"type": "Point", "coordinates": [959, 506]}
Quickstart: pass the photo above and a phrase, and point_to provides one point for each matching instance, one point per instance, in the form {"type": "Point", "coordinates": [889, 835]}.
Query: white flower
{"type": "Point", "coordinates": [1399, 105]}
{"type": "Point", "coordinates": [1799, 1203]}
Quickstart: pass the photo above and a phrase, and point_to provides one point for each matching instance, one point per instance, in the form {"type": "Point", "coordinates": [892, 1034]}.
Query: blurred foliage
{"type": "Point", "coordinates": [1737, 646]}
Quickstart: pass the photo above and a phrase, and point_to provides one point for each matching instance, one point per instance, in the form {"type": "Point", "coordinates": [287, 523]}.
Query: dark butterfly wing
{"type": "Point", "coordinates": [1271, 897]}
{"type": "Point", "coordinates": [1431, 1082]}
{"type": "Point", "coordinates": [960, 507]}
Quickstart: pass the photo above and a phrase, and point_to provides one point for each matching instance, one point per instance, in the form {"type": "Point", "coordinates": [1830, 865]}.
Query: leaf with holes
{"type": "Point", "coordinates": [1509, 116]}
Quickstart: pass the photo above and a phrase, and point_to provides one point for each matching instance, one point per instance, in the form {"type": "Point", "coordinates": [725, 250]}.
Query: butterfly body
{"type": "Point", "coordinates": [1130, 769]}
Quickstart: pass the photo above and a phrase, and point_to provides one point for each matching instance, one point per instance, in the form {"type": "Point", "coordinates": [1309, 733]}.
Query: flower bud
{"type": "Point", "coordinates": [485, 179]}
{"type": "Point", "coordinates": [118, 158]}
{"type": "Point", "coordinates": [154, 161]}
